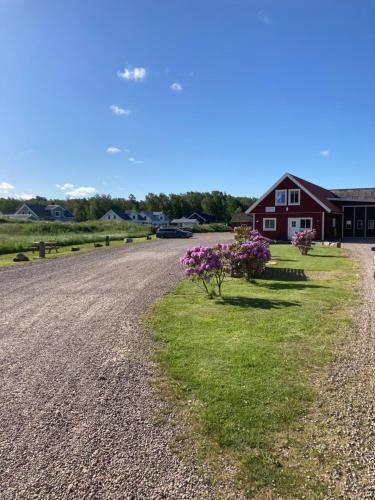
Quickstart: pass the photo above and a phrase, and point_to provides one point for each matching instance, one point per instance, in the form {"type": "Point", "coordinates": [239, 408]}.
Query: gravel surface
{"type": "Point", "coordinates": [77, 403]}
{"type": "Point", "coordinates": [347, 415]}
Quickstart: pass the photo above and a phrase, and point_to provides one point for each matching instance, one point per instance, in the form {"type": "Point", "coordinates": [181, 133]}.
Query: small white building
{"type": "Point", "coordinates": [184, 221]}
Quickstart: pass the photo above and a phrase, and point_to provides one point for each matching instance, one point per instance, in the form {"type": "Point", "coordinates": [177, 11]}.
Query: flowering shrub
{"type": "Point", "coordinates": [249, 258]}
{"type": "Point", "coordinates": [206, 266]}
{"type": "Point", "coordinates": [303, 240]}
{"type": "Point", "coordinates": [209, 266]}
{"type": "Point", "coordinates": [242, 233]}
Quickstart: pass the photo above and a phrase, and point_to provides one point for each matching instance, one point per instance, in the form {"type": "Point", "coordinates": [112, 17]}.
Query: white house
{"type": "Point", "coordinates": [147, 218]}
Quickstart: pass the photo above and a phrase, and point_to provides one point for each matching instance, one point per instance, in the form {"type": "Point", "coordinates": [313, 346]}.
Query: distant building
{"type": "Point", "coordinates": [147, 218]}
{"type": "Point", "coordinates": [184, 221]}
{"type": "Point", "coordinates": [240, 218]}
{"type": "Point", "coordinates": [202, 217]}
{"type": "Point", "coordinates": [32, 211]}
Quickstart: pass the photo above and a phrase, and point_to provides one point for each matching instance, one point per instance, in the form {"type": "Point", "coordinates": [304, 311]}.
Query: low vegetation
{"type": "Point", "coordinates": [19, 236]}
{"type": "Point", "coordinates": [240, 367]}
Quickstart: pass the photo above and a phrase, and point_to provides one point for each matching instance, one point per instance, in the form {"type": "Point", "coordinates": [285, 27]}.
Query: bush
{"type": "Point", "coordinates": [205, 265]}
{"type": "Point", "coordinates": [303, 240]}
{"type": "Point", "coordinates": [242, 233]}
{"type": "Point", "coordinates": [249, 258]}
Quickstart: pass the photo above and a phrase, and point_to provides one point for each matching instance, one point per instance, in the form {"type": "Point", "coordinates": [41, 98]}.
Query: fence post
{"type": "Point", "coordinates": [42, 249]}
{"type": "Point", "coordinates": [107, 241]}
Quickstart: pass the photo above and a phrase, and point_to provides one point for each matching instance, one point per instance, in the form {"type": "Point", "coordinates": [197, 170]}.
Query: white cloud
{"type": "Point", "coordinates": [81, 192]}
{"type": "Point", "coordinates": [133, 160]}
{"type": "Point", "coordinates": [119, 111]}
{"type": "Point", "coordinates": [176, 87]}
{"type": "Point", "coordinates": [5, 187]}
{"type": "Point", "coordinates": [126, 150]}
{"type": "Point", "coordinates": [65, 187]}
{"type": "Point", "coordinates": [24, 196]}
{"type": "Point", "coordinates": [113, 150]}
{"type": "Point", "coordinates": [136, 74]}
{"type": "Point", "coordinates": [263, 18]}
{"type": "Point", "coordinates": [325, 152]}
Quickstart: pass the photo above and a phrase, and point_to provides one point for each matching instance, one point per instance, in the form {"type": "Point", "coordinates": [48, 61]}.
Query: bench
{"type": "Point", "coordinates": [49, 245]}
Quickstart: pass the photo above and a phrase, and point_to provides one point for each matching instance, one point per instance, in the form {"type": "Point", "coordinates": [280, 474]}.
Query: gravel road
{"type": "Point", "coordinates": [78, 407]}
{"type": "Point", "coordinates": [346, 426]}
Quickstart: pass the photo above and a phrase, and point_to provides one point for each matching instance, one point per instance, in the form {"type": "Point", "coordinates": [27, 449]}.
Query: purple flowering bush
{"type": "Point", "coordinates": [249, 258]}
{"type": "Point", "coordinates": [303, 240]}
{"type": "Point", "coordinates": [209, 266]}
{"type": "Point", "coordinates": [206, 266]}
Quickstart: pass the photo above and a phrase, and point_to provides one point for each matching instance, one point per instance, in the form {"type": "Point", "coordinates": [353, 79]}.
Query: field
{"type": "Point", "coordinates": [240, 368]}
{"type": "Point", "coordinates": [19, 236]}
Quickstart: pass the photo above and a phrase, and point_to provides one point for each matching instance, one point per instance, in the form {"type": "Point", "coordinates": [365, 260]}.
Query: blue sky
{"type": "Point", "coordinates": [195, 95]}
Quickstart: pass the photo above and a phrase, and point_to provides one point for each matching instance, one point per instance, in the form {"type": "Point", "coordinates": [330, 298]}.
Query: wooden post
{"type": "Point", "coordinates": [42, 249]}
{"type": "Point", "coordinates": [107, 241]}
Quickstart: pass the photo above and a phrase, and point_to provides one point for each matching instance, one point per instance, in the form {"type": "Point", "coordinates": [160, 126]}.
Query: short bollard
{"type": "Point", "coordinates": [107, 241]}
{"type": "Point", "coordinates": [42, 249]}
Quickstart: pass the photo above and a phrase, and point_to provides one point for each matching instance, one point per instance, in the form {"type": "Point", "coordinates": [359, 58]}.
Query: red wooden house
{"type": "Point", "coordinates": [293, 204]}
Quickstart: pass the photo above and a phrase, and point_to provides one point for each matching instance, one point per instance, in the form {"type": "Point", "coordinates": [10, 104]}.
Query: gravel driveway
{"type": "Point", "coordinates": [77, 405]}
{"type": "Point", "coordinates": [346, 425]}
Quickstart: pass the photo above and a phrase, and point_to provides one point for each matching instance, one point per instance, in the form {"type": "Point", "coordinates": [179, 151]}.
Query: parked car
{"type": "Point", "coordinates": [173, 232]}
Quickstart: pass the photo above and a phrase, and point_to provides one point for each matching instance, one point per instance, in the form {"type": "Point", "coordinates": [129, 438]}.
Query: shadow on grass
{"type": "Point", "coordinates": [256, 303]}
{"type": "Point", "coordinates": [290, 286]}
{"type": "Point", "coordinates": [323, 256]}
{"type": "Point", "coordinates": [284, 274]}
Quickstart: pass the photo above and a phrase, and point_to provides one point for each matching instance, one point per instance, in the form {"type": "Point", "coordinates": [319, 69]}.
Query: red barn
{"type": "Point", "coordinates": [293, 204]}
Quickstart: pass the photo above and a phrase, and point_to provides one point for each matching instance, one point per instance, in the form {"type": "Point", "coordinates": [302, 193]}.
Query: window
{"type": "Point", "coordinates": [348, 224]}
{"type": "Point", "coordinates": [334, 222]}
{"type": "Point", "coordinates": [305, 224]}
{"type": "Point", "coordinates": [57, 213]}
{"type": "Point", "coordinates": [294, 196]}
{"type": "Point", "coordinates": [280, 197]}
{"type": "Point", "coordinates": [269, 224]}
{"type": "Point", "coordinates": [359, 224]}
{"type": "Point", "coordinates": [371, 224]}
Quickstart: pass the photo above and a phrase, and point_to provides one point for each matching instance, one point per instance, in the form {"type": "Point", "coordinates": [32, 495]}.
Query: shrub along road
{"type": "Point", "coordinates": [77, 403]}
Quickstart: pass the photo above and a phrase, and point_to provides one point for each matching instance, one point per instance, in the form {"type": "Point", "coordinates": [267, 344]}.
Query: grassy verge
{"type": "Point", "coordinates": [19, 236]}
{"type": "Point", "coordinates": [240, 368]}
{"type": "Point", "coordinates": [7, 259]}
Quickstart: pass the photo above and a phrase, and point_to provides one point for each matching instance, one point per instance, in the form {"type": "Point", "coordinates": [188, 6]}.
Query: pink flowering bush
{"type": "Point", "coordinates": [206, 266]}
{"type": "Point", "coordinates": [249, 258]}
{"type": "Point", "coordinates": [303, 240]}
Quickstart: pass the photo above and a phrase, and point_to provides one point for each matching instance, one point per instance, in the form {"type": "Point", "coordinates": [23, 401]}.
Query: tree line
{"type": "Point", "coordinates": [216, 203]}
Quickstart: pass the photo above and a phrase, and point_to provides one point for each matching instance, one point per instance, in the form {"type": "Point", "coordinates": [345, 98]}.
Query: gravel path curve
{"type": "Point", "coordinates": [78, 408]}
{"type": "Point", "coordinates": [348, 397]}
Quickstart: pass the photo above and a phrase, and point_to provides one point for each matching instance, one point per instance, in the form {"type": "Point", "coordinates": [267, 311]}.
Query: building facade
{"type": "Point", "coordinates": [294, 204]}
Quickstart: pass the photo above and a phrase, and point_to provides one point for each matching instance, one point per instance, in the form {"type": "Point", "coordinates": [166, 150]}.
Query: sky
{"type": "Point", "coordinates": [136, 96]}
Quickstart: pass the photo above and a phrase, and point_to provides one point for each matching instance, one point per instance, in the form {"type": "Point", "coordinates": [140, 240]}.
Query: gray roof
{"type": "Point", "coordinates": [360, 194]}
{"type": "Point", "coordinates": [43, 211]}
{"type": "Point", "coordinates": [241, 217]}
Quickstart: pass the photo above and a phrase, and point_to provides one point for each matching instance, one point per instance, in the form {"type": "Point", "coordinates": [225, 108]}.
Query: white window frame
{"type": "Point", "coordinates": [267, 219]}
{"type": "Point", "coordinates": [286, 197]}
{"type": "Point", "coordinates": [289, 196]}
{"type": "Point", "coordinates": [57, 213]}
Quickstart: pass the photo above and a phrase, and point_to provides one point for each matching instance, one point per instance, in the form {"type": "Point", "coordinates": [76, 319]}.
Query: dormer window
{"type": "Point", "coordinates": [280, 197]}
{"type": "Point", "coordinates": [294, 196]}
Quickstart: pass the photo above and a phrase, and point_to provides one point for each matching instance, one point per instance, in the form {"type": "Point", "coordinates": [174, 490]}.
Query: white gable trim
{"type": "Point", "coordinates": [250, 209]}
{"type": "Point", "coordinates": [30, 209]}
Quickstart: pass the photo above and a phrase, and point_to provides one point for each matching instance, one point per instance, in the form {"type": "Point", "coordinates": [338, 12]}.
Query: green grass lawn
{"type": "Point", "coordinates": [241, 367]}
{"type": "Point", "coordinates": [7, 259]}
